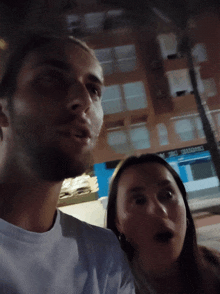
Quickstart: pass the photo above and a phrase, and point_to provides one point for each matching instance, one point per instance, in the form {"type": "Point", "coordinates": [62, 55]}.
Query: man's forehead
{"type": "Point", "coordinates": [61, 55]}
{"type": "Point", "coordinates": [53, 50]}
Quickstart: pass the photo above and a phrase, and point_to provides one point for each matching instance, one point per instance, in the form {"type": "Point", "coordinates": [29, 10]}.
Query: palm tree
{"type": "Point", "coordinates": [179, 12]}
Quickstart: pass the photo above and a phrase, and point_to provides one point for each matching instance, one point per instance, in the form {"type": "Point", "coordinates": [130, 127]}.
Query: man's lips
{"type": "Point", "coordinates": [80, 133]}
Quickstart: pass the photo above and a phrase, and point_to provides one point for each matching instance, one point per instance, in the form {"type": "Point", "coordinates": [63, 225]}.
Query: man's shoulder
{"type": "Point", "coordinates": [80, 228]}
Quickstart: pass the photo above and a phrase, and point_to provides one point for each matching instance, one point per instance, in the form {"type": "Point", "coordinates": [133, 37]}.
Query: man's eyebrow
{"type": "Point", "coordinates": [55, 63]}
{"type": "Point", "coordinates": [65, 66]}
{"type": "Point", "coordinates": [95, 79]}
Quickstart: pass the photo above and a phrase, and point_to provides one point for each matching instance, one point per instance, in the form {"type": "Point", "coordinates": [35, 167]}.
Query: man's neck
{"type": "Point", "coordinates": [25, 200]}
{"type": "Point", "coordinates": [31, 206]}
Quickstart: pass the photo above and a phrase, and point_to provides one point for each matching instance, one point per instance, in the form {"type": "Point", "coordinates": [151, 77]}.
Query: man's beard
{"type": "Point", "coordinates": [49, 162]}
{"type": "Point", "coordinates": [53, 165]}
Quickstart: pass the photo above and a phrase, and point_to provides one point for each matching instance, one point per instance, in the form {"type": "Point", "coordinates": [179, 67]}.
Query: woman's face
{"type": "Point", "coordinates": [151, 214]}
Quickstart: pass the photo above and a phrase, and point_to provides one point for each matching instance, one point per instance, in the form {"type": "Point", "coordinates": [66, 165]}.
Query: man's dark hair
{"type": "Point", "coordinates": [27, 43]}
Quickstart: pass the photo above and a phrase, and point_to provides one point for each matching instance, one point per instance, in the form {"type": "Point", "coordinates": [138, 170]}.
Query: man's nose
{"type": "Point", "coordinates": [79, 99]}
{"type": "Point", "coordinates": [156, 208]}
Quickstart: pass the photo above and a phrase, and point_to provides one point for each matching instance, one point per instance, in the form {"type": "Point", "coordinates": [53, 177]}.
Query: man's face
{"type": "Point", "coordinates": [56, 112]}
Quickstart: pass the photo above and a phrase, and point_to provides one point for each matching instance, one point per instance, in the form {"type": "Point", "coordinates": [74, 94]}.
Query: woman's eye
{"type": "Point", "coordinates": [168, 195]}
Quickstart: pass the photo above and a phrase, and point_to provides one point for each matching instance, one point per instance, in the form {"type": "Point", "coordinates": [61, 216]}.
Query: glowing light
{"type": "Point", "coordinates": [3, 44]}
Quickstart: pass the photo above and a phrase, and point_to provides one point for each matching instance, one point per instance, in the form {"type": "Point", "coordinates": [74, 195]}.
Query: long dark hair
{"type": "Point", "coordinates": [189, 260]}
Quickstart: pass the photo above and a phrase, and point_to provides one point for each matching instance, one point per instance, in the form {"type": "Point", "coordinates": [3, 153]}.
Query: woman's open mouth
{"type": "Point", "coordinates": [163, 237]}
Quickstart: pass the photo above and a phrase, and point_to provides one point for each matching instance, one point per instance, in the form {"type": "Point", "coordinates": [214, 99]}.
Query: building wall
{"type": "Point", "coordinates": [153, 70]}
{"type": "Point", "coordinates": [169, 121]}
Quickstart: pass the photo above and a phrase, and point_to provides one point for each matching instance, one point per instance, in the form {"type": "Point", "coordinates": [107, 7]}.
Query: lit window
{"type": "Point", "coordinates": [124, 142]}
{"type": "Point", "coordinates": [140, 137]}
{"type": "Point", "coordinates": [106, 60]}
{"type": "Point", "coordinates": [218, 119]}
{"type": "Point", "coordinates": [118, 98]}
{"type": "Point", "coordinates": [135, 96]}
{"type": "Point", "coordinates": [199, 127]}
{"type": "Point", "coordinates": [185, 129]}
{"type": "Point", "coordinates": [168, 45]}
{"type": "Point", "coordinates": [180, 83]}
{"type": "Point", "coordinates": [112, 100]}
{"type": "Point", "coordinates": [199, 53]}
{"type": "Point", "coordinates": [115, 13]}
{"type": "Point", "coordinates": [117, 139]}
{"type": "Point", "coordinates": [94, 21]}
{"type": "Point", "coordinates": [121, 58]}
{"type": "Point", "coordinates": [126, 57]}
{"type": "Point", "coordinates": [74, 23]}
{"type": "Point", "coordinates": [202, 170]}
{"type": "Point", "coordinates": [210, 87]}
{"type": "Point", "coordinates": [162, 134]}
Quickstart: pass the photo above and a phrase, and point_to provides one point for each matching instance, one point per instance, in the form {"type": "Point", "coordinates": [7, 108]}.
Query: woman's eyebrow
{"type": "Point", "coordinates": [164, 183]}
{"type": "Point", "coordinates": [136, 189]}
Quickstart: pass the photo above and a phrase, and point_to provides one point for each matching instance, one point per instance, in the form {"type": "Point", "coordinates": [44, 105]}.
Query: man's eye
{"type": "Point", "coordinates": [140, 200]}
{"type": "Point", "coordinates": [52, 79]}
{"type": "Point", "coordinates": [94, 91]}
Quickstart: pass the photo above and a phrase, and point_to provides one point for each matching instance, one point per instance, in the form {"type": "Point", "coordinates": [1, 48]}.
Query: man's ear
{"type": "Point", "coordinates": [4, 121]}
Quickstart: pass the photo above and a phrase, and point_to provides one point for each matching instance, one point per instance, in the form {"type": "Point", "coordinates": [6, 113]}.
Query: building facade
{"type": "Point", "coordinates": [148, 102]}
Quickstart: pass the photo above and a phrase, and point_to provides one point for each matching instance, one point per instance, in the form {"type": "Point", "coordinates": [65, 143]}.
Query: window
{"type": "Point", "coordinates": [140, 137]}
{"type": "Point", "coordinates": [90, 22]}
{"type": "Point", "coordinates": [199, 127]}
{"type": "Point", "coordinates": [199, 53]}
{"type": "Point", "coordinates": [94, 21]}
{"type": "Point", "coordinates": [162, 134]}
{"type": "Point", "coordinates": [218, 119]}
{"type": "Point", "coordinates": [115, 13]}
{"type": "Point", "coordinates": [202, 170]}
{"type": "Point", "coordinates": [112, 100]}
{"type": "Point", "coordinates": [106, 60]}
{"type": "Point", "coordinates": [117, 59]}
{"type": "Point", "coordinates": [126, 58]}
{"type": "Point", "coordinates": [73, 23]}
{"type": "Point", "coordinates": [168, 45]}
{"type": "Point", "coordinates": [135, 96]}
{"type": "Point", "coordinates": [185, 129]}
{"type": "Point", "coordinates": [189, 128]}
{"type": "Point", "coordinates": [180, 83]}
{"type": "Point", "coordinates": [117, 139]}
{"type": "Point", "coordinates": [209, 87]}
{"type": "Point", "coordinates": [124, 141]}
{"type": "Point", "coordinates": [118, 98]}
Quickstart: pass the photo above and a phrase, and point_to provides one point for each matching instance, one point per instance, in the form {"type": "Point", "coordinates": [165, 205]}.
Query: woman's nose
{"type": "Point", "coordinates": [79, 99]}
{"type": "Point", "coordinates": [156, 208]}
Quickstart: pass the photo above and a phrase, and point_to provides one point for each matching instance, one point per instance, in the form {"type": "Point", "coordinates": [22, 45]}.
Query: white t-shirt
{"type": "Point", "coordinates": [73, 257]}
